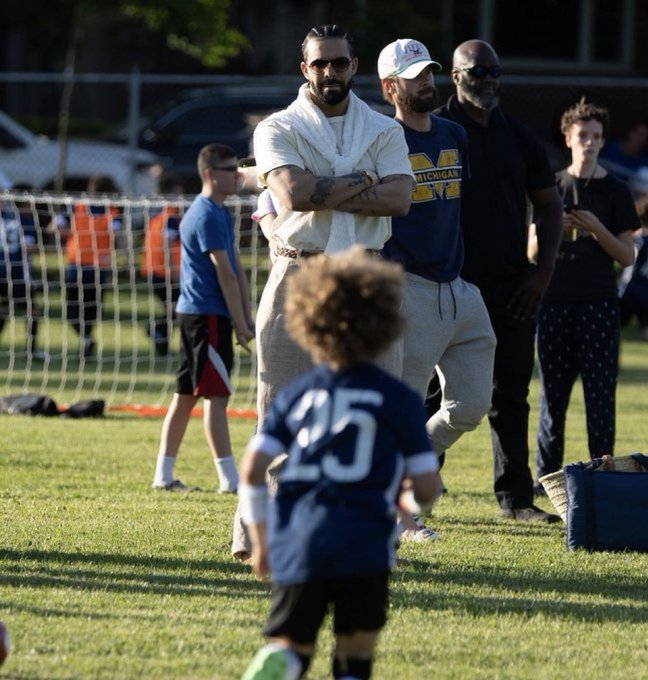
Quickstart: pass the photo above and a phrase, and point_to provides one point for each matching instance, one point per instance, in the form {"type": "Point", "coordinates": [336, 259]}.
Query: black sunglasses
{"type": "Point", "coordinates": [339, 64]}
{"type": "Point", "coordinates": [228, 168]}
{"type": "Point", "coordinates": [480, 71]}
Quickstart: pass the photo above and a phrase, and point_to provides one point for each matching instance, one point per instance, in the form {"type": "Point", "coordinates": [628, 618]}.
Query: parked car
{"type": "Point", "coordinates": [32, 160]}
{"type": "Point", "coordinates": [225, 114]}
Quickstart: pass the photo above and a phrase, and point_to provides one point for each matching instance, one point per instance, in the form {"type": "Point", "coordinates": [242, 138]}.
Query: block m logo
{"type": "Point", "coordinates": [442, 180]}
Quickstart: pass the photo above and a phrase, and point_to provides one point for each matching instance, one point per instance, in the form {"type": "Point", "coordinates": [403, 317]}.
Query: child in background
{"type": "Point", "coordinates": [214, 298]}
{"type": "Point", "coordinates": [351, 432]}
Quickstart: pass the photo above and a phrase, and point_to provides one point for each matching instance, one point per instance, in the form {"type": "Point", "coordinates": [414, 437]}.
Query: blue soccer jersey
{"type": "Point", "coordinates": [350, 436]}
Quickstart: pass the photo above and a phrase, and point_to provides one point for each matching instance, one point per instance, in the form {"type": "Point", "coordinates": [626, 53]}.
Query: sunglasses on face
{"type": "Point", "coordinates": [480, 72]}
{"type": "Point", "coordinates": [339, 64]}
{"type": "Point", "coordinates": [228, 168]}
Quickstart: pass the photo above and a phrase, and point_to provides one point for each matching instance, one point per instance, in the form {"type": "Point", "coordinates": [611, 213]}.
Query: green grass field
{"type": "Point", "coordinates": [100, 577]}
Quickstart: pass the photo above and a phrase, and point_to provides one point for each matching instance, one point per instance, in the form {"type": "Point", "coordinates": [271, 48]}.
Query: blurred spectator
{"type": "Point", "coordinates": [634, 290]}
{"type": "Point", "coordinates": [18, 240]}
{"type": "Point", "coordinates": [90, 239]}
{"type": "Point", "coordinates": [160, 264]}
{"type": "Point", "coordinates": [627, 157]}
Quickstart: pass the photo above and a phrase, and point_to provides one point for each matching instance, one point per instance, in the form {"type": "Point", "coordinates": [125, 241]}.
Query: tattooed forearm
{"type": "Point", "coordinates": [322, 190]}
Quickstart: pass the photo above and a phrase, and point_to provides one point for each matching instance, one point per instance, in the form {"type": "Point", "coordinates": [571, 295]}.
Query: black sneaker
{"type": "Point", "coordinates": [530, 514]}
{"type": "Point", "coordinates": [176, 486]}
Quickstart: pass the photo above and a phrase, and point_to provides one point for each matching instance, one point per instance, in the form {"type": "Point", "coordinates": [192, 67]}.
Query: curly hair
{"type": "Point", "coordinates": [345, 309]}
{"type": "Point", "coordinates": [583, 111]}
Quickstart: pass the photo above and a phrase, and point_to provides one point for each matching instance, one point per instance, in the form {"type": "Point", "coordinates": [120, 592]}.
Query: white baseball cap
{"type": "Point", "coordinates": [404, 58]}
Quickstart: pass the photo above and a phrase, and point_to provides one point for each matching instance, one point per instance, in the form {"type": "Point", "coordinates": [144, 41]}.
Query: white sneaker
{"type": "Point", "coordinates": [421, 533]}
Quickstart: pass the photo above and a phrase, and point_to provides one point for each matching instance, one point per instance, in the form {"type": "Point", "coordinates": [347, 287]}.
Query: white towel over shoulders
{"type": "Point", "coordinates": [361, 127]}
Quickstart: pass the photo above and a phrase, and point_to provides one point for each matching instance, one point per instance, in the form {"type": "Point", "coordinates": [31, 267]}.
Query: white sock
{"type": "Point", "coordinates": [227, 474]}
{"type": "Point", "coordinates": [164, 470]}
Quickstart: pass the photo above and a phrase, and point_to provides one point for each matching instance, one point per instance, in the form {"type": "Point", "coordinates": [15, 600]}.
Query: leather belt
{"type": "Point", "coordinates": [294, 254]}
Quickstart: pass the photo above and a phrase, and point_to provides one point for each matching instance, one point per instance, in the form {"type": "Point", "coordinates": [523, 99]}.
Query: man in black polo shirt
{"type": "Point", "coordinates": [508, 165]}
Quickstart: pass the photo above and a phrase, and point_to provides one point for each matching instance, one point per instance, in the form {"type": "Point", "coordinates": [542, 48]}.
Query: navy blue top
{"type": "Point", "coordinates": [349, 436]}
{"type": "Point", "coordinates": [427, 241]}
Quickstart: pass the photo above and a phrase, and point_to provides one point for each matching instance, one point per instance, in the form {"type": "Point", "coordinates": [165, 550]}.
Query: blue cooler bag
{"type": "Point", "coordinates": [607, 510]}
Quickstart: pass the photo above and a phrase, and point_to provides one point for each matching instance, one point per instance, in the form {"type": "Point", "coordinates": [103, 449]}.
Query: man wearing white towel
{"type": "Point", "coordinates": [338, 172]}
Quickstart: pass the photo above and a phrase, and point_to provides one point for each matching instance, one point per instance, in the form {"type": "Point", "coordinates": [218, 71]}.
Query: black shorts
{"type": "Point", "coordinates": [206, 355]}
{"type": "Point", "coordinates": [359, 604]}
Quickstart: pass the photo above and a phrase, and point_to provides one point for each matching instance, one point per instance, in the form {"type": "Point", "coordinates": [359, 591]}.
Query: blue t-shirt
{"type": "Point", "coordinates": [204, 227]}
{"type": "Point", "coordinates": [427, 241]}
{"type": "Point", "coordinates": [349, 436]}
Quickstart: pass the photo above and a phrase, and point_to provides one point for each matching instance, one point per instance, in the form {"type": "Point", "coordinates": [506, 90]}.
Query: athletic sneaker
{"type": "Point", "coordinates": [421, 533]}
{"type": "Point", "coordinates": [175, 486]}
{"type": "Point", "coordinates": [272, 663]}
{"type": "Point", "coordinates": [530, 514]}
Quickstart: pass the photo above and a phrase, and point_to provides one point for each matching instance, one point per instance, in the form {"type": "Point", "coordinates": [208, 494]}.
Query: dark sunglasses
{"type": "Point", "coordinates": [339, 64]}
{"type": "Point", "coordinates": [479, 71]}
{"type": "Point", "coordinates": [228, 168]}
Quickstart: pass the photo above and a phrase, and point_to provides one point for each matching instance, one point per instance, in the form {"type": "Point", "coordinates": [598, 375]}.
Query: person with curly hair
{"type": "Point", "coordinates": [578, 327]}
{"type": "Point", "coordinates": [356, 447]}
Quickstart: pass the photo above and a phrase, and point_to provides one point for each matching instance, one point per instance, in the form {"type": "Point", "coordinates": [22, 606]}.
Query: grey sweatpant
{"type": "Point", "coordinates": [448, 329]}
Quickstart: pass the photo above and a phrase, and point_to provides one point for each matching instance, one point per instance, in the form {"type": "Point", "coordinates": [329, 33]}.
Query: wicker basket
{"type": "Point", "coordinates": [554, 483]}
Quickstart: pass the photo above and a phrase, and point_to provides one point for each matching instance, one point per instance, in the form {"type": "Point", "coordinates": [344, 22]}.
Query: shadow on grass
{"type": "Point", "coordinates": [142, 575]}
{"type": "Point", "coordinates": [530, 589]}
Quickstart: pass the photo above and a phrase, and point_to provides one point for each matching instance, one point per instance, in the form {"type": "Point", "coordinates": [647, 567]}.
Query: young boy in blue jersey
{"type": "Point", "coordinates": [357, 448]}
{"type": "Point", "coordinates": [214, 299]}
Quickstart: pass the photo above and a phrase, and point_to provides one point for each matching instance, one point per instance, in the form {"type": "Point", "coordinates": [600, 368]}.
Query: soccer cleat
{"type": "Point", "coordinates": [421, 533]}
{"type": "Point", "coordinates": [530, 514]}
{"type": "Point", "coordinates": [176, 486]}
{"type": "Point", "coordinates": [273, 662]}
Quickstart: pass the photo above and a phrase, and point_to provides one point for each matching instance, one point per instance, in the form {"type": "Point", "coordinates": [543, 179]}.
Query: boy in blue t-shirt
{"type": "Point", "coordinates": [353, 434]}
{"type": "Point", "coordinates": [214, 299]}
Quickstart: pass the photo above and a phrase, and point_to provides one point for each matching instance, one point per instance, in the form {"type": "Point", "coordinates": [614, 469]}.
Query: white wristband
{"type": "Point", "coordinates": [253, 502]}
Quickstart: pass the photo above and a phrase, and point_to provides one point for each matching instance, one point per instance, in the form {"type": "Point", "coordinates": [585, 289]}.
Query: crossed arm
{"type": "Point", "coordinates": [302, 191]}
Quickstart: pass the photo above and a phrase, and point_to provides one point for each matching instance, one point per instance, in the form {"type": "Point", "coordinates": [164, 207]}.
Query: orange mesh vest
{"type": "Point", "coordinates": [90, 243]}
{"type": "Point", "coordinates": [159, 255]}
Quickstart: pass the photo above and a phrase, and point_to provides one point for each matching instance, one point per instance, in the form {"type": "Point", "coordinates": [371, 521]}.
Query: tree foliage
{"type": "Point", "coordinates": [198, 28]}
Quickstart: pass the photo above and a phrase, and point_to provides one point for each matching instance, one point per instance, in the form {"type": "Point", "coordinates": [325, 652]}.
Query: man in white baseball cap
{"type": "Point", "coordinates": [404, 58]}
{"type": "Point", "coordinates": [447, 328]}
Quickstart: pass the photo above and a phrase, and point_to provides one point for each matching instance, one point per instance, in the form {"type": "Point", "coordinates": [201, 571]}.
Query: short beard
{"type": "Point", "coordinates": [420, 103]}
{"type": "Point", "coordinates": [331, 97]}
{"type": "Point", "coordinates": [486, 101]}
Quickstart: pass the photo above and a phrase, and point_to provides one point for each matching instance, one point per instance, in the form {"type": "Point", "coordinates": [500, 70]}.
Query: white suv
{"type": "Point", "coordinates": [33, 160]}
